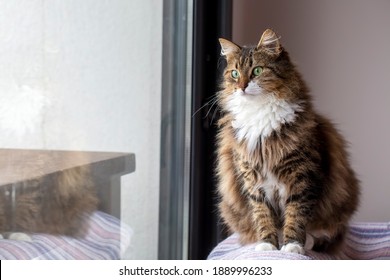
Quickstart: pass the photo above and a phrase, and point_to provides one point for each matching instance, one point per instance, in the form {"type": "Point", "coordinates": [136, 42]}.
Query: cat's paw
{"type": "Point", "coordinates": [265, 246]}
{"type": "Point", "coordinates": [1, 236]}
{"type": "Point", "coordinates": [20, 236]}
{"type": "Point", "coordinates": [293, 248]}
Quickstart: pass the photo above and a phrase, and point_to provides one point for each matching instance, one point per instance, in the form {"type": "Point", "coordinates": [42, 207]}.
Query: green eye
{"type": "Point", "coordinates": [257, 71]}
{"type": "Point", "coordinates": [235, 74]}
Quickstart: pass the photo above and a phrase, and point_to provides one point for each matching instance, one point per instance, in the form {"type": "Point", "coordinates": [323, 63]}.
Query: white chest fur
{"type": "Point", "coordinates": [257, 114]}
{"type": "Point", "coordinates": [275, 191]}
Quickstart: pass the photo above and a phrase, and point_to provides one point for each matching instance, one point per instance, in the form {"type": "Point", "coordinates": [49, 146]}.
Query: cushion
{"type": "Point", "coordinates": [364, 241]}
{"type": "Point", "coordinates": [106, 238]}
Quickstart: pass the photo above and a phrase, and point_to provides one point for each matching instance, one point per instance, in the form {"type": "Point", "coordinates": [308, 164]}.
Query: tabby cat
{"type": "Point", "coordinates": [284, 177]}
{"type": "Point", "coordinates": [59, 204]}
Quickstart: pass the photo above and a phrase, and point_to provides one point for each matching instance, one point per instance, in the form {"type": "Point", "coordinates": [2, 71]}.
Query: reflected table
{"type": "Point", "coordinates": [18, 167]}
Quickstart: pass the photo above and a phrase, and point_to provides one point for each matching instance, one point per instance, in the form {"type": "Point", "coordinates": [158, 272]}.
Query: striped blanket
{"type": "Point", "coordinates": [364, 241]}
{"type": "Point", "coordinates": [107, 238]}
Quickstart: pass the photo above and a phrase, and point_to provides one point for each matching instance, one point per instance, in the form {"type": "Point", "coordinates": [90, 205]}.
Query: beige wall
{"type": "Point", "coordinates": [343, 51]}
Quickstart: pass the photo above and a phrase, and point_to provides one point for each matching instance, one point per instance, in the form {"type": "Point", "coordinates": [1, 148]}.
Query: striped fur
{"type": "Point", "coordinates": [294, 179]}
{"type": "Point", "coordinates": [55, 204]}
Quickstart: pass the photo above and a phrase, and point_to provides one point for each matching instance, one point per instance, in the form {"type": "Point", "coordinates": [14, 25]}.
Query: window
{"type": "Point", "coordinates": [111, 96]}
{"type": "Point", "coordinates": [85, 76]}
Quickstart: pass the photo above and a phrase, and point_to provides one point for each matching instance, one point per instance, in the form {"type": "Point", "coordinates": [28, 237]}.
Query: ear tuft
{"type": "Point", "coordinates": [270, 42]}
{"type": "Point", "coordinates": [228, 47]}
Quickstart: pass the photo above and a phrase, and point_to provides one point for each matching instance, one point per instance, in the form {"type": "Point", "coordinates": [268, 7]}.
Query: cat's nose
{"type": "Point", "coordinates": [243, 83]}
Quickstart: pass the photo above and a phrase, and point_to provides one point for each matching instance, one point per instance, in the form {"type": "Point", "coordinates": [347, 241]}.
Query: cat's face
{"type": "Point", "coordinates": [263, 70]}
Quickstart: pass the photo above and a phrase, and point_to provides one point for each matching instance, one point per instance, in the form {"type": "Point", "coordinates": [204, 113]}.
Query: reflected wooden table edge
{"type": "Point", "coordinates": [106, 168]}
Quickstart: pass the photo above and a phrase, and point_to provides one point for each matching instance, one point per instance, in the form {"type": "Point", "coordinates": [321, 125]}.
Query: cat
{"type": "Point", "coordinates": [58, 204]}
{"type": "Point", "coordinates": [284, 178]}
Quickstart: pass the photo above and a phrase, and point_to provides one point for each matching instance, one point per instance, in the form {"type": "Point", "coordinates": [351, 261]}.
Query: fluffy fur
{"type": "Point", "coordinates": [55, 204]}
{"type": "Point", "coordinates": [283, 170]}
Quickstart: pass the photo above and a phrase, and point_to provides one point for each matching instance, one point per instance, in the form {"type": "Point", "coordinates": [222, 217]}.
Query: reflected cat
{"type": "Point", "coordinates": [58, 203]}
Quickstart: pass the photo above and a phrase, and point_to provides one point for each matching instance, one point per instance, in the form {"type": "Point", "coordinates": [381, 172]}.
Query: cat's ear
{"type": "Point", "coordinates": [228, 47]}
{"type": "Point", "coordinates": [269, 41]}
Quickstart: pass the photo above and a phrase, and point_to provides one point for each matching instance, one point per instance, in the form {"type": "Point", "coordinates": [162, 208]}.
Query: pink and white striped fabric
{"type": "Point", "coordinates": [107, 238]}
{"type": "Point", "coordinates": [364, 241]}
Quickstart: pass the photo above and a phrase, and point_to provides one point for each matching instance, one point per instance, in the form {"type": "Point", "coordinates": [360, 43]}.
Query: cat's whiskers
{"type": "Point", "coordinates": [213, 101]}
{"type": "Point", "coordinates": [197, 111]}
{"type": "Point", "coordinates": [211, 107]}
{"type": "Point", "coordinates": [215, 112]}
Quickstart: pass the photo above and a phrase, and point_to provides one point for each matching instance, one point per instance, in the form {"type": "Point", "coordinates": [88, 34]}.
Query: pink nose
{"type": "Point", "coordinates": [243, 83]}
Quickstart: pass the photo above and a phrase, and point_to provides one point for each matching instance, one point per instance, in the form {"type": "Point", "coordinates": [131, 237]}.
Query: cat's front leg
{"type": "Point", "coordinates": [263, 220]}
{"type": "Point", "coordinates": [262, 215]}
{"type": "Point", "coordinates": [294, 229]}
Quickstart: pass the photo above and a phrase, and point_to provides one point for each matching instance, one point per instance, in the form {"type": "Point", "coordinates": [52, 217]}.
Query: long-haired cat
{"type": "Point", "coordinates": [55, 204]}
{"type": "Point", "coordinates": [284, 177]}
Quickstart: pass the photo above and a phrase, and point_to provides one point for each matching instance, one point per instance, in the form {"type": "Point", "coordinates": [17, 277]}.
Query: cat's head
{"type": "Point", "coordinates": [261, 70]}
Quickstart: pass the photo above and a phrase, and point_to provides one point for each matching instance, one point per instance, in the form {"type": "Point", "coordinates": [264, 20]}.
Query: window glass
{"type": "Point", "coordinates": [80, 111]}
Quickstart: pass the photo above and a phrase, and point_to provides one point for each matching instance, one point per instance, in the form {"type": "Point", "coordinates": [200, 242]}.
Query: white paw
{"type": "Point", "coordinates": [265, 246]}
{"type": "Point", "coordinates": [293, 248]}
{"type": "Point", "coordinates": [1, 236]}
{"type": "Point", "coordinates": [20, 236]}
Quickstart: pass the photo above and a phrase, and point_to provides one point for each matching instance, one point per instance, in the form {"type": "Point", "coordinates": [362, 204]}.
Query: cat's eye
{"type": "Point", "coordinates": [257, 71]}
{"type": "Point", "coordinates": [235, 74]}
